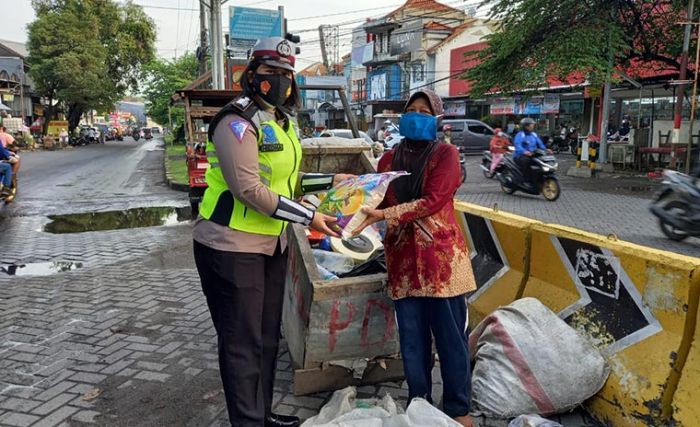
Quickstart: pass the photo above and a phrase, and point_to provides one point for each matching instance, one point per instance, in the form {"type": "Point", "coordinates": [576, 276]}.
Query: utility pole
{"type": "Point", "coordinates": [605, 108]}
{"type": "Point", "coordinates": [678, 111]}
{"type": "Point", "coordinates": [217, 52]}
{"type": "Point", "coordinates": [324, 52]}
{"type": "Point", "coordinates": [693, 105]}
{"type": "Point", "coordinates": [203, 48]}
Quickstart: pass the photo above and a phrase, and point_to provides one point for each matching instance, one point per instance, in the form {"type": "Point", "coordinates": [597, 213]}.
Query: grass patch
{"type": "Point", "coordinates": [175, 164]}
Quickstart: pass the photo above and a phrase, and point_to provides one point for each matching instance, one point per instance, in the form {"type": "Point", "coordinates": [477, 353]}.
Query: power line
{"type": "Point", "coordinates": [436, 14]}
{"type": "Point", "coordinates": [189, 30]}
{"type": "Point", "coordinates": [432, 15]}
{"type": "Point", "coordinates": [177, 36]}
{"type": "Point", "coordinates": [343, 13]}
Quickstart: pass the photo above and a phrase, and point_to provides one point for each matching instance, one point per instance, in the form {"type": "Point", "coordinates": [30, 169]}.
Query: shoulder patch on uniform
{"type": "Point", "coordinates": [239, 127]}
{"type": "Point", "coordinates": [243, 102]}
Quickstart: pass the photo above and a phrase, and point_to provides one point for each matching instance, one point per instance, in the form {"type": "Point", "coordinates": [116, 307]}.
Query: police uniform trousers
{"type": "Point", "coordinates": [245, 293]}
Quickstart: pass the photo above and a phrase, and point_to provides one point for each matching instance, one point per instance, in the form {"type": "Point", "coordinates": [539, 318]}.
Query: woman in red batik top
{"type": "Point", "coordinates": [428, 262]}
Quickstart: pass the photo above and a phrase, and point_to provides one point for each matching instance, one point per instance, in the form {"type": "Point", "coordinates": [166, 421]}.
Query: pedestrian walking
{"type": "Point", "coordinates": [428, 262]}
{"type": "Point", "coordinates": [240, 244]}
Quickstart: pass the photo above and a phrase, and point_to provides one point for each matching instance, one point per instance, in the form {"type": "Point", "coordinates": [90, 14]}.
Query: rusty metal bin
{"type": "Point", "coordinates": [333, 325]}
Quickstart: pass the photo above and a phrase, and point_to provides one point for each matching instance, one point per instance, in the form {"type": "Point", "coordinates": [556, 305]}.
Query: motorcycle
{"type": "Point", "coordinates": [136, 136]}
{"type": "Point", "coordinates": [77, 142]}
{"type": "Point", "coordinates": [487, 160]}
{"type": "Point", "coordinates": [677, 205]}
{"type": "Point", "coordinates": [8, 198]}
{"type": "Point", "coordinates": [560, 145]}
{"type": "Point", "coordinates": [462, 167]}
{"type": "Point", "coordinates": [544, 180]}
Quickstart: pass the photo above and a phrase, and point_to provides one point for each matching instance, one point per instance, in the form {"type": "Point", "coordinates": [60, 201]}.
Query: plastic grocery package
{"type": "Point", "coordinates": [346, 200]}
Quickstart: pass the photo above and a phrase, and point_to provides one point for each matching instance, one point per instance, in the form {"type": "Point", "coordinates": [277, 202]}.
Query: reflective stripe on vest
{"type": "Point", "coordinates": [278, 170]}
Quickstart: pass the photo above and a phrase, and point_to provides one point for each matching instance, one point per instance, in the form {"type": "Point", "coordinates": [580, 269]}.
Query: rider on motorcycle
{"type": "Point", "coordinates": [447, 133]}
{"type": "Point", "coordinates": [498, 147]}
{"type": "Point", "coordinates": [526, 143]}
{"type": "Point", "coordinates": [5, 171]}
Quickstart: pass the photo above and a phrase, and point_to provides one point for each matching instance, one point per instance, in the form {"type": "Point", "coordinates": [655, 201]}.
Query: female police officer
{"type": "Point", "coordinates": [239, 238]}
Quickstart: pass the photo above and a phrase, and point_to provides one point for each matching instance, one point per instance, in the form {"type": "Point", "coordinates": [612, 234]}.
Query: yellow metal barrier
{"type": "Point", "coordinates": [637, 305]}
{"type": "Point", "coordinates": [686, 411]}
{"type": "Point", "coordinates": [499, 247]}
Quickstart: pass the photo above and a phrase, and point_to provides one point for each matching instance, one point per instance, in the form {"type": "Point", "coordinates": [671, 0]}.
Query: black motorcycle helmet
{"type": "Point", "coordinates": [527, 121]}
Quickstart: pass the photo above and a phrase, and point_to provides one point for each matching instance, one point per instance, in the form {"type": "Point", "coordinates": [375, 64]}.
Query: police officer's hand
{"type": "Point", "coordinates": [550, 151]}
{"type": "Point", "coordinates": [340, 177]}
{"type": "Point", "coordinates": [528, 154]}
{"type": "Point", "coordinates": [323, 223]}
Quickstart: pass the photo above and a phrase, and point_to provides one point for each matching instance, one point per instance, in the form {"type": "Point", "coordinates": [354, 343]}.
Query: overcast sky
{"type": "Point", "coordinates": [178, 29]}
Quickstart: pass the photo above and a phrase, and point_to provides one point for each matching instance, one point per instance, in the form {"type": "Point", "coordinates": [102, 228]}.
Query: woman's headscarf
{"type": "Point", "coordinates": [412, 156]}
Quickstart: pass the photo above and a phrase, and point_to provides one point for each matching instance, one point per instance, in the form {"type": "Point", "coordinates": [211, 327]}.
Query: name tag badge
{"type": "Point", "coordinates": [270, 141]}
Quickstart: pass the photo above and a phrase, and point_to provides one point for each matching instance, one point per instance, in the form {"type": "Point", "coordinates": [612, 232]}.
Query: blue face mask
{"type": "Point", "coordinates": [418, 126]}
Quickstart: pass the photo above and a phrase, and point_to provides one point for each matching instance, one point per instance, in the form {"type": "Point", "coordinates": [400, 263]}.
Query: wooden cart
{"type": "Point", "coordinates": [334, 326]}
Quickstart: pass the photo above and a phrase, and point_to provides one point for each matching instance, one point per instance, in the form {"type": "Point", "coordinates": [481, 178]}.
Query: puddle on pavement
{"type": "Point", "coordinates": [39, 268]}
{"type": "Point", "coordinates": [117, 220]}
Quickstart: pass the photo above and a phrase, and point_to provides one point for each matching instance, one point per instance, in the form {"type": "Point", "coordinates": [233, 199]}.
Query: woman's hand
{"type": "Point", "coordinates": [373, 216]}
{"type": "Point", "coordinates": [323, 223]}
{"type": "Point", "coordinates": [340, 177]}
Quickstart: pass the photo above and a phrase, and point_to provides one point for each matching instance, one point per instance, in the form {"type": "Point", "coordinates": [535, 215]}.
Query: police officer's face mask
{"type": "Point", "coordinates": [275, 89]}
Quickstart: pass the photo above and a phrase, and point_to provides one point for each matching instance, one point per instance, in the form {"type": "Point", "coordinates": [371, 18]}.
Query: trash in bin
{"type": "Point", "coordinates": [334, 262]}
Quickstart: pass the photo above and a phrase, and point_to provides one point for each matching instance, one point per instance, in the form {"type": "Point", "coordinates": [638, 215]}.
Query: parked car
{"type": "Point", "coordinates": [155, 130]}
{"type": "Point", "coordinates": [344, 133]}
{"type": "Point", "coordinates": [470, 136]}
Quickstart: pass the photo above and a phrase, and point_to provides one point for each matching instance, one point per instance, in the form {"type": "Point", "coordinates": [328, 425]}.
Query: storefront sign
{"type": "Point", "coordinates": [551, 104]}
{"type": "Point", "coordinates": [457, 108]}
{"type": "Point", "coordinates": [548, 104]}
{"type": "Point", "coordinates": [55, 127]}
{"type": "Point", "coordinates": [502, 106]}
{"type": "Point", "coordinates": [362, 54]}
{"type": "Point", "coordinates": [407, 39]}
{"type": "Point", "coordinates": [377, 89]}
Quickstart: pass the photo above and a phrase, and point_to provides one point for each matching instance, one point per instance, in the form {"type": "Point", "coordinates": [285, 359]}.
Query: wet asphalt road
{"type": "Point", "coordinates": [117, 175]}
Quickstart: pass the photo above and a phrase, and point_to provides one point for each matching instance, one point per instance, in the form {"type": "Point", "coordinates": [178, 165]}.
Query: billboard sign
{"type": "Point", "coordinates": [377, 87]}
{"type": "Point", "coordinates": [407, 39]}
{"type": "Point", "coordinates": [501, 106]}
{"type": "Point", "coordinates": [247, 24]}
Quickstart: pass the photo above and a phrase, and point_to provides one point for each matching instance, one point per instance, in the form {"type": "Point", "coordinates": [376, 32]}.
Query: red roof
{"type": "Point", "coordinates": [423, 5]}
{"type": "Point", "coordinates": [432, 25]}
{"type": "Point", "coordinates": [638, 69]}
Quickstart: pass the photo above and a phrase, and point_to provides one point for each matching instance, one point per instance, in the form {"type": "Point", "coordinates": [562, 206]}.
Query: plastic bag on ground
{"type": "Point", "coordinates": [344, 410]}
{"type": "Point", "coordinates": [533, 421]}
{"type": "Point", "coordinates": [529, 361]}
{"type": "Point", "coordinates": [346, 200]}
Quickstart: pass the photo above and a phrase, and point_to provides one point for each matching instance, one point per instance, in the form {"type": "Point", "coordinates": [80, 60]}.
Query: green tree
{"type": "Point", "coordinates": [540, 38]}
{"type": "Point", "coordinates": [161, 79]}
{"type": "Point", "coordinates": [87, 53]}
